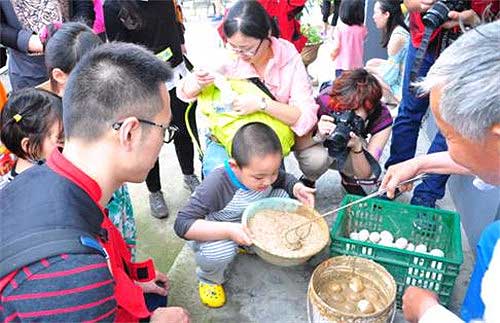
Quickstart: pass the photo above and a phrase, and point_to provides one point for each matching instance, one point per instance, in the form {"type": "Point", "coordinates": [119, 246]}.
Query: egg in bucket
{"type": "Point", "coordinates": [351, 289]}
{"type": "Point", "coordinates": [269, 219]}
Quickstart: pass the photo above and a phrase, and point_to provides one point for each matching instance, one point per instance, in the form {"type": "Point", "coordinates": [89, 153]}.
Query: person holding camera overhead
{"type": "Point", "coordinates": [353, 129]}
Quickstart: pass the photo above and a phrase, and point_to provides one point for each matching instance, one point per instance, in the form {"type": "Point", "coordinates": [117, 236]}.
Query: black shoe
{"type": "Point", "coordinates": [307, 182]}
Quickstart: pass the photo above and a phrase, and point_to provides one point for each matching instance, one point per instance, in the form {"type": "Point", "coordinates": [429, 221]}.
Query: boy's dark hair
{"type": "Point", "coordinates": [67, 45]}
{"type": "Point", "coordinates": [112, 82]}
{"type": "Point", "coordinates": [352, 12]}
{"type": "Point", "coordinates": [254, 140]}
{"type": "Point", "coordinates": [29, 113]}
{"type": "Point", "coordinates": [249, 18]}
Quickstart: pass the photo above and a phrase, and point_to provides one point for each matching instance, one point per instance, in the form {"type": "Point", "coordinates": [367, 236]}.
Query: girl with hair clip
{"type": "Point", "coordinates": [66, 45]}
{"type": "Point", "coordinates": [349, 36]}
{"type": "Point", "coordinates": [395, 37]}
{"type": "Point", "coordinates": [360, 92]}
{"type": "Point", "coordinates": [31, 127]}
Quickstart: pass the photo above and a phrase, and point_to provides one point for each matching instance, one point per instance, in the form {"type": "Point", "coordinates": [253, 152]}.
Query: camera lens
{"type": "Point", "coordinates": [339, 139]}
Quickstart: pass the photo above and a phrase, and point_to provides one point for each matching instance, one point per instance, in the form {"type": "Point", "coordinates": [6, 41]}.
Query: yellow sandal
{"type": "Point", "coordinates": [212, 295]}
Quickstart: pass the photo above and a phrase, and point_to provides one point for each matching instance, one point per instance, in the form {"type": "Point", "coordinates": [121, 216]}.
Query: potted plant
{"type": "Point", "coordinates": [314, 40]}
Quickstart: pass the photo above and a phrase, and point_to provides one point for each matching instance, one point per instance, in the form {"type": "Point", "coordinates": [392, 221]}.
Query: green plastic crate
{"type": "Point", "coordinates": [434, 228]}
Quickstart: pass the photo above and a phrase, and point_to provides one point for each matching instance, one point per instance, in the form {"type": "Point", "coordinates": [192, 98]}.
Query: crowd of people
{"type": "Point", "coordinates": [99, 86]}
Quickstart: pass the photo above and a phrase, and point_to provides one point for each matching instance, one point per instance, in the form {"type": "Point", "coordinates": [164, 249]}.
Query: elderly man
{"type": "Point", "coordinates": [465, 100]}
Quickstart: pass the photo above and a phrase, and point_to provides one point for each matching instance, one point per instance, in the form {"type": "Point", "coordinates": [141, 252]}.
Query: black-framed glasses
{"type": "Point", "coordinates": [246, 52]}
{"type": "Point", "coordinates": [168, 130]}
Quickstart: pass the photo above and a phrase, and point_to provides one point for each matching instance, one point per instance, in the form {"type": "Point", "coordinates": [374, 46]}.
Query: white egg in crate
{"type": "Point", "coordinates": [387, 236]}
{"type": "Point", "coordinates": [375, 237]}
{"type": "Point", "coordinates": [401, 243]}
{"type": "Point", "coordinates": [422, 248]}
{"type": "Point", "coordinates": [363, 235]}
{"type": "Point", "coordinates": [410, 247]}
{"type": "Point", "coordinates": [437, 252]}
{"type": "Point", "coordinates": [354, 235]}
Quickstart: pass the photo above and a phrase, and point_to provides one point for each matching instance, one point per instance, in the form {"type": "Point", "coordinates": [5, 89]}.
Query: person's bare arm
{"type": "Point", "coordinates": [437, 163]}
{"type": "Point", "coordinates": [203, 230]}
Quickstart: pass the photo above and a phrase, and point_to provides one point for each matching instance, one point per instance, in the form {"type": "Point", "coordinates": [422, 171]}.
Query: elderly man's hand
{"type": "Point", "coordinates": [416, 301]}
{"type": "Point", "coordinates": [398, 173]}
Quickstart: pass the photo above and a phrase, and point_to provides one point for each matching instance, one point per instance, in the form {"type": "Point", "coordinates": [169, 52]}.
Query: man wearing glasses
{"type": "Point", "coordinates": [62, 259]}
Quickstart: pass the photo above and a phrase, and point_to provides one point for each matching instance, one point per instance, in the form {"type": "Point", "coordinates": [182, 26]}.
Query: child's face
{"type": "Point", "coordinates": [260, 172]}
{"type": "Point", "coordinates": [53, 139]}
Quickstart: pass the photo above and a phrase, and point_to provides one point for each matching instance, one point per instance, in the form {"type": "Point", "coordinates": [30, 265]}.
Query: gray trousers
{"type": "Point", "coordinates": [213, 258]}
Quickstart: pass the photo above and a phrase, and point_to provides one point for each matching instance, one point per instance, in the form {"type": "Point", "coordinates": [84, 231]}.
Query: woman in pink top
{"type": "Point", "coordinates": [349, 36]}
{"type": "Point", "coordinates": [274, 61]}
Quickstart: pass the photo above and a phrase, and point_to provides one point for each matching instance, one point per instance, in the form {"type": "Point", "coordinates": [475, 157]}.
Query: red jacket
{"type": "Point", "coordinates": [284, 12]}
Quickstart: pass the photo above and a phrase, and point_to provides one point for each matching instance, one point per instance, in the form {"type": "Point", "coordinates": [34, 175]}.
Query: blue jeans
{"type": "Point", "coordinates": [215, 155]}
{"type": "Point", "coordinates": [406, 127]}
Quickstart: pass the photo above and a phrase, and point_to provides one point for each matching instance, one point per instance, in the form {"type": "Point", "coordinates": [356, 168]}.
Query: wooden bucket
{"type": "Point", "coordinates": [320, 311]}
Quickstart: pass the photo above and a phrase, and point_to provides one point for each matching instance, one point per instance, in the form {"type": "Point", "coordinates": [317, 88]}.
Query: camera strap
{"type": "Point", "coordinates": [374, 165]}
{"type": "Point", "coordinates": [258, 83]}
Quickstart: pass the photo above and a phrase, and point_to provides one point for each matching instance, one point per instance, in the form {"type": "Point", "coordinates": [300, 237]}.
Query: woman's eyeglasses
{"type": "Point", "coordinates": [168, 130]}
{"type": "Point", "coordinates": [246, 52]}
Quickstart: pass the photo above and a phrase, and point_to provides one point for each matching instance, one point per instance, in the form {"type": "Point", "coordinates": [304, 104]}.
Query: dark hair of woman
{"type": "Point", "coordinates": [251, 19]}
{"type": "Point", "coordinates": [29, 113]}
{"type": "Point", "coordinates": [352, 12]}
{"type": "Point", "coordinates": [396, 18]}
{"type": "Point", "coordinates": [355, 89]}
{"type": "Point", "coordinates": [67, 45]}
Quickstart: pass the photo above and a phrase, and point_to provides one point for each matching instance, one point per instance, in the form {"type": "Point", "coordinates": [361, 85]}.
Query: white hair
{"type": "Point", "coordinates": [469, 73]}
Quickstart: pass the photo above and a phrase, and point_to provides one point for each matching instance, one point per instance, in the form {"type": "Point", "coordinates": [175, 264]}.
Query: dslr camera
{"type": "Point", "coordinates": [346, 122]}
{"type": "Point", "coordinates": [438, 13]}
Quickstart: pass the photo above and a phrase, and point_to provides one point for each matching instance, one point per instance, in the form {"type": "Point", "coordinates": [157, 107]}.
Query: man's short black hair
{"type": "Point", "coordinates": [254, 140]}
{"type": "Point", "coordinates": [112, 82]}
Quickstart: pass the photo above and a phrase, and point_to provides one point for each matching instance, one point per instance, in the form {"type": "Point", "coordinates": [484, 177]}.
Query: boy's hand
{"type": "Point", "coordinates": [304, 194]}
{"type": "Point", "coordinates": [240, 234]}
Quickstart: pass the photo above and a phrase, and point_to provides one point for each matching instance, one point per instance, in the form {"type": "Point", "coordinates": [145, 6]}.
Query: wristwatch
{"type": "Point", "coordinates": [263, 104]}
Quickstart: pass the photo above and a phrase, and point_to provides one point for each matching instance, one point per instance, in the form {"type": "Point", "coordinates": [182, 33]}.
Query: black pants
{"type": "Point", "coordinates": [183, 145]}
{"type": "Point", "coordinates": [325, 10]}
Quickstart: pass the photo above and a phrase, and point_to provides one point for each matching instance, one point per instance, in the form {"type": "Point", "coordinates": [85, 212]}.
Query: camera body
{"type": "Point", "coordinates": [346, 122]}
{"type": "Point", "coordinates": [438, 13]}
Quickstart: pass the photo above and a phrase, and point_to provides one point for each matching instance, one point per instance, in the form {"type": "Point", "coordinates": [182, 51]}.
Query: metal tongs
{"type": "Point", "coordinates": [297, 244]}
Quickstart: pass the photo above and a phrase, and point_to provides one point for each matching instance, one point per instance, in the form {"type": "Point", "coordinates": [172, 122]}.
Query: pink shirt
{"type": "Point", "coordinates": [351, 40]}
{"type": "Point", "coordinates": [285, 76]}
{"type": "Point", "coordinates": [99, 17]}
